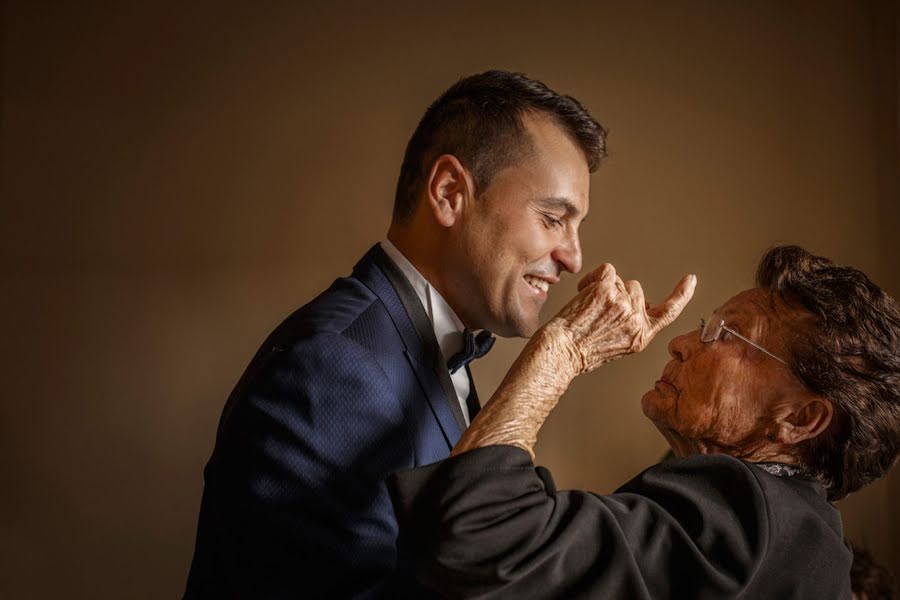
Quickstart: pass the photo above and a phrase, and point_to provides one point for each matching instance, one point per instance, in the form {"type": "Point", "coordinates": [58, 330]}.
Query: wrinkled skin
{"type": "Point", "coordinates": [724, 396]}
{"type": "Point", "coordinates": [727, 396]}
{"type": "Point", "coordinates": [608, 318]}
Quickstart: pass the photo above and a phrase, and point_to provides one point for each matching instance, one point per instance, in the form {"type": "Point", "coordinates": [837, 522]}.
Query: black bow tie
{"type": "Point", "coordinates": [473, 347]}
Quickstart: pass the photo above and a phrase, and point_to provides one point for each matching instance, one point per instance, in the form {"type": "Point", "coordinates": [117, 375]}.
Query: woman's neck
{"type": "Point", "coordinates": [751, 450]}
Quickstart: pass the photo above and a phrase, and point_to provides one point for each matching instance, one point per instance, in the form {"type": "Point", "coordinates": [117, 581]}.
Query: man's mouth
{"type": "Point", "coordinates": [540, 283]}
{"type": "Point", "coordinates": [537, 283]}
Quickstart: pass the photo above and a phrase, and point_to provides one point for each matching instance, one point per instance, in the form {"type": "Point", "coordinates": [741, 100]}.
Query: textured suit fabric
{"type": "Point", "coordinates": [487, 524]}
{"type": "Point", "coordinates": [341, 394]}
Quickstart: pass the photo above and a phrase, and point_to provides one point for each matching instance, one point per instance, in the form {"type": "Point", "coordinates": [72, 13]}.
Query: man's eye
{"type": "Point", "coordinates": [551, 221]}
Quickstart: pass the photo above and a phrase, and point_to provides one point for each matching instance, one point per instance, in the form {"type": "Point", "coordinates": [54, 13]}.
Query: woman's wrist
{"type": "Point", "coordinates": [527, 395]}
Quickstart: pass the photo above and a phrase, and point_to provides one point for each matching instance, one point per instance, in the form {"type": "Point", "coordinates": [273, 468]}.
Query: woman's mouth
{"type": "Point", "coordinates": [663, 382]}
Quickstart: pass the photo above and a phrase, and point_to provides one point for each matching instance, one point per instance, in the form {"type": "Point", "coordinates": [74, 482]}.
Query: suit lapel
{"type": "Point", "coordinates": [472, 402]}
{"type": "Point", "coordinates": [379, 273]}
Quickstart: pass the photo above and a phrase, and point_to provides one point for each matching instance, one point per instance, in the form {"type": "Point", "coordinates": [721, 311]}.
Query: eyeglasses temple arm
{"type": "Point", "coordinates": [757, 346]}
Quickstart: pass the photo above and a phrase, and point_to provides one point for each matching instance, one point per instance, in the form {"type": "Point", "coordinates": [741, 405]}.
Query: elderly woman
{"type": "Point", "coordinates": [785, 399]}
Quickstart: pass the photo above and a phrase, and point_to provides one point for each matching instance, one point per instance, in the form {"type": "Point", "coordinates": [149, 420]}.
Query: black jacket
{"type": "Point", "coordinates": [488, 524]}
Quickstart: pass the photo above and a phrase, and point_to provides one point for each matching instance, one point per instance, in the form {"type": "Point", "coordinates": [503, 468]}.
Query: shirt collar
{"type": "Point", "coordinates": [448, 328]}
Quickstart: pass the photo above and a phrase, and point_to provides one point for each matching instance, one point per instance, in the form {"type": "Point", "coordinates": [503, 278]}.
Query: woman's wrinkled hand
{"type": "Point", "coordinates": [610, 318]}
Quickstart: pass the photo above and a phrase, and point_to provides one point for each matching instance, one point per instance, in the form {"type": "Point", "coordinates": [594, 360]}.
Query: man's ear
{"type": "Point", "coordinates": [449, 190]}
{"type": "Point", "coordinates": [807, 420]}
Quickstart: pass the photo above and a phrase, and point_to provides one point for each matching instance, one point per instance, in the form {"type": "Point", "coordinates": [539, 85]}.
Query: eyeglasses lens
{"type": "Point", "coordinates": [709, 331]}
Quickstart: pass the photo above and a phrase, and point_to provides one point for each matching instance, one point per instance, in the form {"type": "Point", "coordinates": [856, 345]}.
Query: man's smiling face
{"type": "Point", "coordinates": [522, 232]}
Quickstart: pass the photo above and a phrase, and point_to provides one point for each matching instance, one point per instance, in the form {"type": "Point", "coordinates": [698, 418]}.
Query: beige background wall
{"type": "Point", "coordinates": [176, 179]}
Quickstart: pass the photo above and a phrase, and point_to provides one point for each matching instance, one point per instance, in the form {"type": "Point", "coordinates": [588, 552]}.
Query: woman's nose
{"type": "Point", "coordinates": [680, 345]}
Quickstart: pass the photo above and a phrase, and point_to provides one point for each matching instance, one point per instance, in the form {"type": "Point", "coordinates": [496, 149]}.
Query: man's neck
{"type": "Point", "coordinates": [448, 327]}
{"type": "Point", "coordinates": [422, 253]}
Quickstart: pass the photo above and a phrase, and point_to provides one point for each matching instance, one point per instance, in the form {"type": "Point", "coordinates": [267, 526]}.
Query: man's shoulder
{"type": "Point", "coordinates": [347, 310]}
{"type": "Point", "coordinates": [345, 330]}
{"type": "Point", "coordinates": [335, 308]}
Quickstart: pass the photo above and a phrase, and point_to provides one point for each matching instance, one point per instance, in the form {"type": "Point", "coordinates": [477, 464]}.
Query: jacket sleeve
{"type": "Point", "coordinates": [295, 502]}
{"type": "Point", "coordinates": [486, 524]}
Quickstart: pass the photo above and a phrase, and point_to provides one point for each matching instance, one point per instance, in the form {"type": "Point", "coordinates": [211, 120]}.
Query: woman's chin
{"type": "Point", "coordinates": [655, 404]}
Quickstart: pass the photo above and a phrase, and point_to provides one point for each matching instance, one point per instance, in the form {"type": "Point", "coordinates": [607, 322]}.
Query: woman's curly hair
{"type": "Point", "coordinates": [847, 351]}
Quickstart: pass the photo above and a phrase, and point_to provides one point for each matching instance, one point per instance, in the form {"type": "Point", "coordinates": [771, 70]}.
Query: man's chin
{"type": "Point", "coordinates": [521, 327]}
{"type": "Point", "coordinates": [528, 331]}
{"type": "Point", "coordinates": [515, 332]}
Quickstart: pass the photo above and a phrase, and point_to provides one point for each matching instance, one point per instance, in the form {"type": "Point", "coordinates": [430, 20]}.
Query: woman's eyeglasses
{"type": "Point", "coordinates": [712, 329]}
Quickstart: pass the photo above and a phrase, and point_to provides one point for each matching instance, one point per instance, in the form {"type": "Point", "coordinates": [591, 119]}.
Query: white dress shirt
{"type": "Point", "coordinates": [448, 329]}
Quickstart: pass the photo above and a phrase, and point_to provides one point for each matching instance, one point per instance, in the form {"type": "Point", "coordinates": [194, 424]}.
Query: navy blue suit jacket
{"type": "Point", "coordinates": [347, 390]}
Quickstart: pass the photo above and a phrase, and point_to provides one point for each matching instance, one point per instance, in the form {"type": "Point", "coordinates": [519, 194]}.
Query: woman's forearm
{"type": "Point", "coordinates": [608, 319]}
{"type": "Point", "coordinates": [525, 397]}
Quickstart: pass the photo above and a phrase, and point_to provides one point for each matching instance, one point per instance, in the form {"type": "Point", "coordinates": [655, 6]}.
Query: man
{"type": "Point", "coordinates": [372, 376]}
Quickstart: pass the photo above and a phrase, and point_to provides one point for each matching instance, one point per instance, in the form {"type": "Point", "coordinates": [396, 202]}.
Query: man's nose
{"type": "Point", "coordinates": [568, 254]}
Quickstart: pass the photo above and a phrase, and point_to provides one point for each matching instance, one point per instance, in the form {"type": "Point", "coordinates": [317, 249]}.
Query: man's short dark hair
{"type": "Point", "coordinates": [847, 350]}
{"type": "Point", "coordinates": [479, 121]}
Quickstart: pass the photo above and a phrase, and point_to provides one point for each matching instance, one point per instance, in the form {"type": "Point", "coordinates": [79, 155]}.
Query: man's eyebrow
{"type": "Point", "coordinates": [561, 203]}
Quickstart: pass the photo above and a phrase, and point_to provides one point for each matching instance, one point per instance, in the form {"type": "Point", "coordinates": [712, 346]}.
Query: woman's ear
{"type": "Point", "coordinates": [807, 420]}
{"type": "Point", "coordinates": [448, 190]}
